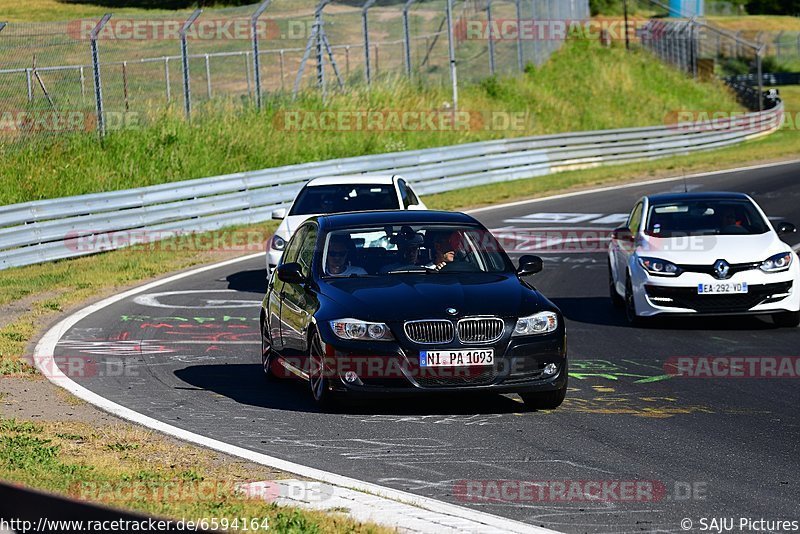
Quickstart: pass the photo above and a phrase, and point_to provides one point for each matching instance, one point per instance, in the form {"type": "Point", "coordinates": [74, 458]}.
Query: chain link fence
{"type": "Point", "coordinates": [119, 71]}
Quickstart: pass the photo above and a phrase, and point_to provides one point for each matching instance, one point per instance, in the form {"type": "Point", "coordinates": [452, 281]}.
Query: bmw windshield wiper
{"type": "Point", "coordinates": [421, 270]}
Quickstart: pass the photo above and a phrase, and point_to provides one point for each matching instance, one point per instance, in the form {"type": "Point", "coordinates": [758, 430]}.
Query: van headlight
{"type": "Point", "coordinates": [777, 263]}
{"type": "Point", "coordinates": [539, 323]}
{"type": "Point", "coordinates": [353, 329]}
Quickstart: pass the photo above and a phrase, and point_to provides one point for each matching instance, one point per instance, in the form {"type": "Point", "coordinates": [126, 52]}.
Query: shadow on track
{"type": "Point", "coordinates": [244, 384]}
{"type": "Point", "coordinates": [599, 311]}
{"type": "Point", "coordinates": [249, 281]}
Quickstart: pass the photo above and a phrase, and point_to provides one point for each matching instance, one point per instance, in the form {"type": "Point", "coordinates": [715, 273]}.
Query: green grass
{"type": "Point", "coordinates": [584, 87]}
{"type": "Point", "coordinates": [55, 10]}
{"type": "Point", "coordinates": [77, 460]}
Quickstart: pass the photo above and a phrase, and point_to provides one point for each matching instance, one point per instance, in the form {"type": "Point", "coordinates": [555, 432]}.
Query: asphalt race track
{"type": "Point", "coordinates": [712, 447]}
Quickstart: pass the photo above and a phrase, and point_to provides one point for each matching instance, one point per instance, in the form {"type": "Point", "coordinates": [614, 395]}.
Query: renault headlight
{"type": "Point", "coordinates": [659, 267]}
{"type": "Point", "coordinates": [777, 263]}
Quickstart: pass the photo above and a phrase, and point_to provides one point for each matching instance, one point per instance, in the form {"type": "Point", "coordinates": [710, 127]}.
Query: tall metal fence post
{"type": "Point", "coordinates": [452, 53]}
{"type": "Point", "coordinates": [694, 48]}
{"type": "Point", "coordinates": [29, 82]}
{"type": "Point", "coordinates": [187, 92]}
{"type": "Point", "coordinates": [166, 79]}
{"type": "Point", "coordinates": [365, 29]}
{"type": "Point", "coordinates": [98, 88]}
{"type": "Point", "coordinates": [759, 54]}
{"type": "Point", "coordinates": [407, 36]}
{"type": "Point", "coordinates": [491, 36]}
{"type": "Point", "coordinates": [320, 53]}
{"type": "Point", "coordinates": [520, 57]}
{"type": "Point", "coordinates": [256, 59]}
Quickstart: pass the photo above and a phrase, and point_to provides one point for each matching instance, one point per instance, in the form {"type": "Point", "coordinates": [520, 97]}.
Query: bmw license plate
{"type": "Point", "coordinates": [456, 358]}
{"type": "Point", "coordinates": [722, 289]}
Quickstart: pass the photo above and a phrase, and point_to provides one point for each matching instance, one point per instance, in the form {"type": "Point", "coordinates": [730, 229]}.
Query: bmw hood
{"type": "Point", "coordinates": [405, 297]}
{"type": "Point", "coordinates": [705, 250]}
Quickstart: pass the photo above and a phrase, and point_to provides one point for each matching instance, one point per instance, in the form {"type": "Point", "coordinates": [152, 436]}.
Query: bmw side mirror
{"type": "Point", "coordinates": [529, 265]}
{"type": "Point", "coordinates": [786, 228]}
{"type": "Point", "coordinates": [279, 214]}
{"type": "Point", "coordinates": [291, 273]}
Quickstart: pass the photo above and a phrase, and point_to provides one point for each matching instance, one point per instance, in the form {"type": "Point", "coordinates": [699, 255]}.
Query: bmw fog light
{"type": "Point", "coordinates": [550, 369]}
{"type": "Point", "coordinates": [350, 377]}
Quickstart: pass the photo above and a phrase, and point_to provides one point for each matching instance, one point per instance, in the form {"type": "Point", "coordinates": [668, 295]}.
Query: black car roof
{"type": "Point", "coordinates": [678, 197]}
{"type": "Point", "coordinates": [394, 217]}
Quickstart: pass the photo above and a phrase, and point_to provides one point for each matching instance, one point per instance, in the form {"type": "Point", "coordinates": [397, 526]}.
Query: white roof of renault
{"type": "Point", "coordinates": [353, 179]}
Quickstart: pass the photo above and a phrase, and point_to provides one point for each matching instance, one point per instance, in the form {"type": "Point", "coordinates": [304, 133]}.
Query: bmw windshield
{"type": "Point", "coordinates": [705, 217]}
{"type": "Point", "coordinates": [424, 249]}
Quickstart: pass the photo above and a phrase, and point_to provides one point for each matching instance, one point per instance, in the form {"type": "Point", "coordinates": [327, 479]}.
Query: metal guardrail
{"type": "Point", "coordinates": [45, 230]}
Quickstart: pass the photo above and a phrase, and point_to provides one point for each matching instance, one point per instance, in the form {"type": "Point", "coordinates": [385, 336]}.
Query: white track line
{"type": "Point", "coordinates": [44, 358]}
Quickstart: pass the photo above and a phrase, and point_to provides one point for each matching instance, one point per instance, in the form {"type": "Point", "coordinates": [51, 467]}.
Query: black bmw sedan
{"type": "Point", "coordinates": [410, 302]}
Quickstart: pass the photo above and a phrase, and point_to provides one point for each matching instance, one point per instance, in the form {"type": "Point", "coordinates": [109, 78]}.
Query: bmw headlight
{"type": "Point", "coordinates": [278, 243]}
{"type": "Point", "coordinates": [351, 329]}
{"type": "Point", "coordinates": [540, 323]}
{"type": "Point", "coordinates": [659, 267]}
{"type": "Point", "coordinates": [777, 263]}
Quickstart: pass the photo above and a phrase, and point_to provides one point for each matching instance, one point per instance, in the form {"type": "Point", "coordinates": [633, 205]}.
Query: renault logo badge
{"type": "Point", "coordinates": [722, 268]}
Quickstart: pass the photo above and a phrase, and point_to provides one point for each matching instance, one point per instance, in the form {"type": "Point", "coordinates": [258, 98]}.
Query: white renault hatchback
{"type": "Point", "coordinates": [703, 253]}
{"type": "Point", "coordinates": [337, 195]}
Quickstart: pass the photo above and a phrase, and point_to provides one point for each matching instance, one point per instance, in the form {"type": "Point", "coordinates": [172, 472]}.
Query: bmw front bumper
{"type": "Point", "coordinates": [389, 368]}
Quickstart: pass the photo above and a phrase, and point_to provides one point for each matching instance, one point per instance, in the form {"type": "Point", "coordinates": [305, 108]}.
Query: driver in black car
{"type": "Point", "coordinates": [444, 250]}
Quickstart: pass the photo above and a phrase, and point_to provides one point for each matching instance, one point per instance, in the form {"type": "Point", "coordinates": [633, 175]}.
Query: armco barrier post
{"type": "Point", "coordinates": [452, 52]}
{"type": "Point", "coordinates": [491, 36]}
{"type": "Point", "coordinates": [407, 36]}
{"type": "Point", "coordinates": [256, 59]}
{"type": "Point", "coordinates": [98, 88]}
{"type": "Point", "coordinates": [187, 92]}
{"type": "Point", "coordinates": [365, 29]}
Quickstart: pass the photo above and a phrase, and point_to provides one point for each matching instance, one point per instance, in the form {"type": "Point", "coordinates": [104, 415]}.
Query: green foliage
{"type": "Point", "coordinates": [773, 7]}
{"type": "Point", "coordinates": [583, 87]}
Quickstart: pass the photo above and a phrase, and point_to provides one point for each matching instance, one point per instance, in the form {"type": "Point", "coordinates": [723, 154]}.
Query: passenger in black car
{"type": "Point", "coordinates": [408, 243]}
